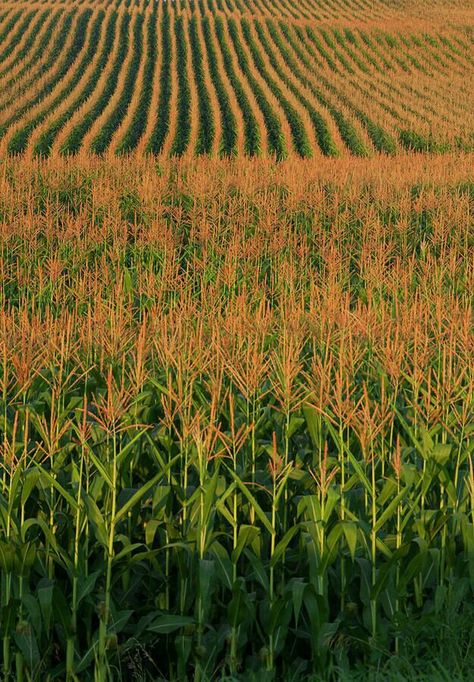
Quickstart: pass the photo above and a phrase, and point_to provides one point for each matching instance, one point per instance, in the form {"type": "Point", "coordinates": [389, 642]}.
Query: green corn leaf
{"type": "Point", "coordinates": [258, 569]}
{"type": "Point", "coordinates": [67, 496]}
{"type": "Point", "coordinates": [247, 534]}
{"type": "Point", "coordinates": [351, 532]}
{"type": "Point", "coordinates": [354, 461]}
{"type": "Point", "coordinates": [390, 510]}
{"type": "Point", "coordinates": [29, 483]}
{"type": "Point", "coordinates": [26, 642]}
{"type": "Point", "coordinates": [312, 418]}
{"type": "Point", "coordinates": [101, 468]}
{"type": "Point", "coordinates": [134, 499]}
{"type": "Point", "coordinates": [95, 517]}
{"type": "Point", "coordinates": [45, 593]}
{"type": "Point", "coordinates": [164, 625]}
{"type": "Point", "coordinates": [86, 585]}
{"type": "Point", "coordinates": [441, 452]}
{"type": "Point", "coordinates": [123, 452]}
{"type": "Point", "coordinates": [283, 544]}
{"type": "Point", "coordinates": [297, 588]}
{"type": "Point", "coordinates": [257, 508]}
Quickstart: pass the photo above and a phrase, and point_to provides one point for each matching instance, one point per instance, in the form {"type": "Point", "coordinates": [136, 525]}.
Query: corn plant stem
{"type": "Point", "coordinates": [271, 652]}
{"type": "Point", "coordinates": [373, 601]}
{"type": "Point", "coordinates": [77, 533]}
{"type": "Point", "coordinates": [343, 508]}
{"type": "Point", "coordinates": [104, 622]}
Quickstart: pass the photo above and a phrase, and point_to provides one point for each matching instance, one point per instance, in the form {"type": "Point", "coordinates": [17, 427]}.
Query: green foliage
{"type": "Point", "coordinates": [345, 127]}
{"type": "Point", "coordinates": [181, 140]}
{"type": "Point", "coordinates": [274, 132]}
{"type": "Point", "coordinates": [328, 147]}
{"type": "Point", "coordinates": [206, 115]}
{"type": "Point", "coordinates": [252, 133]}
{"type": "Point", "coordinates": [416, 142]}
{"type": "Point", "coordinates": [161, 511]}
{"type": "Point", "coordinates": [161, 127]}
{"type": "Point", "coordinates": [102, 140]}
{"type": "Point", "coordinates": [300, 138]}
{"type": "Point", "coordinates": [37, 54]}
{"type": "Point", "coordinates": [28, 44]}
{"type": "Point", "coordinates": [51, 62]}
{"type": "Point", "coordinates": [139, 121]}
{"type": "Point", "coordinates": [229, 123]}
{"type": "Point", "coordinates": [73, 141]}
{"type": "Point", "coordinates": [46, 139]}
{"type": "Point", "coordinates": [19, 140]}
{"type": "Point", "coordinates": [18, 35]}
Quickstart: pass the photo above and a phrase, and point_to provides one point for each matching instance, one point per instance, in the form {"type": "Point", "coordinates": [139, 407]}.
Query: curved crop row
{"type": "Point", "coordinates": [380, 138]}
{"type": "Point", "coordinates": [206, 115]}
{"type": "Point", "coordinates": [160, 130]}
{"type": "Point", "coordinates": [387, 93]}
{"type": "Point", "coordinates": [347, 131]}
{"type": "Point", "coordinates": [17, 35]}
{"type": "Point", "coordinates": [274, 131]}
{"type": "Point", "coordinates": [20, 139]}
{"type": "Point", "coordinates": [325, 141]}
{"type": "Point", "coordinates": [183, 131]}
{"type": "Point", "coordinates": [139, 121]}
{"type": "Point", "coordinates": [251, 129]}
{"type": "Point", "coordinates": [300, 137]}
{"type": "Point", "coordinates": [26, 48]}
{"type": "Point", "coordinates": [38, 53]}
{"type": "Point", "coordinates": [380, 85]}
{"type": "Point", "coordinates": [47, 66]}
{"type": "Point", "coordinates": [103, 138]}
{"type": "Point", "coordinates": [229, 125]}
{"type": "Point", "coordinates": [74, 139]}
{"type": "Point", "coordinates": [47, 138]}
{"type": "Point", "coordinates": [9, 26]}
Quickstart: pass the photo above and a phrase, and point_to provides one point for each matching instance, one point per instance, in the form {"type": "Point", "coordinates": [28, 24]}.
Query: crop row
{"type": "Point", "coordinates": [276, 141]}
{"type": "Point", "coordinates": [76, 135]}
{"type": "Point", "coordinates": [229, 124]}
{"type": "Point", "coordinates": [346, 129]}
{"type": "Point", "coordinates": [19, 140]}
{"type": "Point", "coordinates": [183, 131]}
{"type": "Point", "coordinates": [325, 141]}
{"type": "Point", "coordinates": [380, 138]}
{"type": "Point", "coordinates": [300, 137]}
{"type": "Point", "coordinates": [297, 80]}
{"type": "Point", "coordinates": [102, 139]}
{"type": "Point", "coordinates": [46, 139]}
{"type": "Point", "coordinates": [38, 53]}
{"type": "Point", "coordinates": [139, 121]}
{"type": "Point", "coordinates": [206, 115]}
{"type": "Point", "coordinates": [55, 56]}
{"type": "Point", "coordinates": [16, 36]}
{"type": "Point", "coordinates": [28, 44]}
{"type": "Point", "coordinates": [252, 133]}
{"type": "Point", "coordinates": [160, 130]}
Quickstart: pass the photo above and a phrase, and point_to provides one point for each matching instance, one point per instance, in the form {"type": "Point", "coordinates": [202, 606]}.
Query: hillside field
{"type": "Point", "coordinates": [233, 77]}
{"type": "Point", "coordinates": [237, 341]}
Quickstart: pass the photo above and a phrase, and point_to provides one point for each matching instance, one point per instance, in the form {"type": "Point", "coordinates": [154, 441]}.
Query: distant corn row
{"type": "Point", "coordinates": [103, 77]}
{"type": "Point", "coordinates": [329, 10]}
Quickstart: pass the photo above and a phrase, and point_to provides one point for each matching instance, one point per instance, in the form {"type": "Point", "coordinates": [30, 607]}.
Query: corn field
{"type": "Point", "coordinates": [237, 407]}
{"type": "Point", "coordinates": [236, 77]}
{"type": "Point", "coordinates": [236, 340]}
